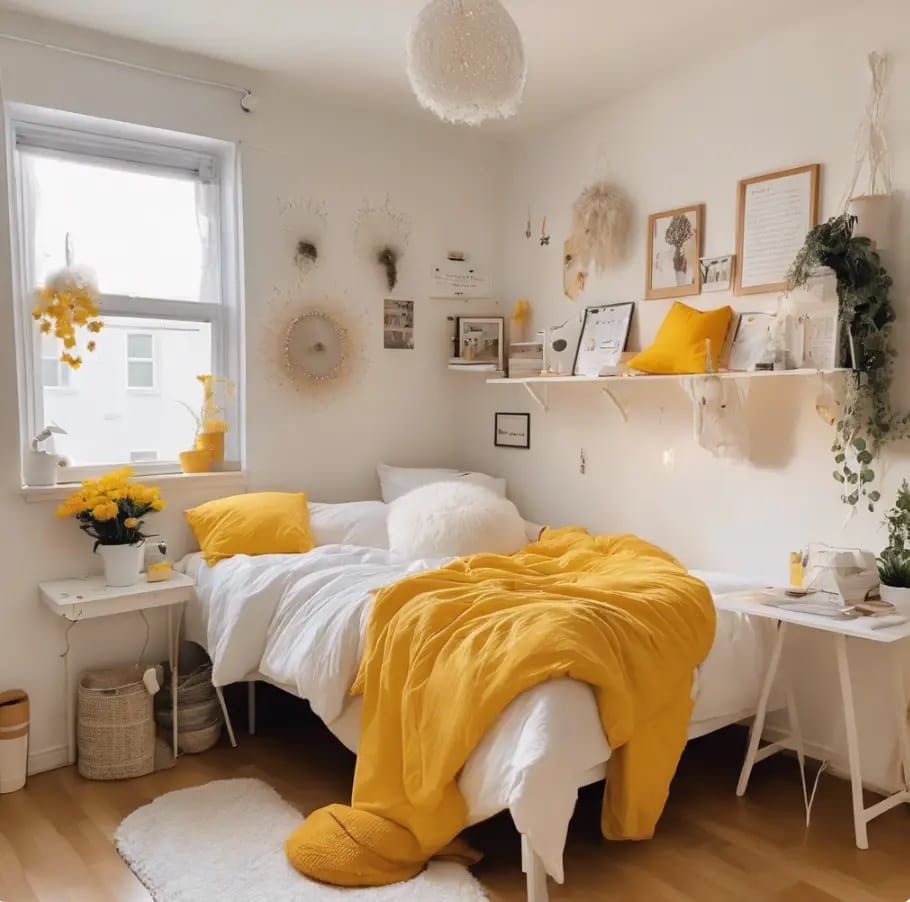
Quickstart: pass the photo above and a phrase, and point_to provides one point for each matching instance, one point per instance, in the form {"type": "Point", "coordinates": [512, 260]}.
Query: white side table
{"type": "Point", "coordinates": [840, 631]}
{"type": "Point", "coordinates": [89, 598]}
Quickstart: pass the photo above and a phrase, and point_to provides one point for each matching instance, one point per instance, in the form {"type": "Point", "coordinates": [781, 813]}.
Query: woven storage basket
{"type": "Point", "coordinates": [116, 728]}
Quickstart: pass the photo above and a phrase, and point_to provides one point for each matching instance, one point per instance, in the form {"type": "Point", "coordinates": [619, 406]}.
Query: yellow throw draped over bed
{"type": "Point", "coordinates": [446, 652]}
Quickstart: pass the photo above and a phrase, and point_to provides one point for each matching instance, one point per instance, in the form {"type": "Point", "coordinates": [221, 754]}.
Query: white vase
{"type": "Point", "coordinates": [873, 213]}
{"type": "Point", "coordinates": [896, 595]}
{"type": "Point", "coordinates": [122, 563]}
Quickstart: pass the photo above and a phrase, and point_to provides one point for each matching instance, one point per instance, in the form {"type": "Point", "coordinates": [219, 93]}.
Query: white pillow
{"type": "Point", "coordinates": [454, 518]}
{"type": "Point", "coordinates": [398, 481]}
{"type": "Point", "coordinates": [350, 523]}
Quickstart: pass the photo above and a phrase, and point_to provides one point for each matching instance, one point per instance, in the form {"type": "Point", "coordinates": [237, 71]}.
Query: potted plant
{"type": "Point", "coordinates": [110, 510]}
{"type": "Point", "coordinates": [894, 561]}
{"type": "Point", "coordinates": [867, 420]}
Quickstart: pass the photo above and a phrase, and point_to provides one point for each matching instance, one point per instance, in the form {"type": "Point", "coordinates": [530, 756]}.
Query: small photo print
{"type": "Point", "coordinates": [398, 325]}
{"type": "Point", "coordinates": [716, 273]}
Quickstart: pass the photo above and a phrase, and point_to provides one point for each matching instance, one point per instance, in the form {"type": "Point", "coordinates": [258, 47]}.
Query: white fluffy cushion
{"type": "Point", "coordinates": [454, 518]}
{"type": "Point", "coordinates": [398, 481]}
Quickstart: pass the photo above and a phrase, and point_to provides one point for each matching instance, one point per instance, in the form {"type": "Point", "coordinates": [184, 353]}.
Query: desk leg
{"type": "Point", "coordinates": [900, 702]}
{"type": "Point", "coordinates": [856, 771]}
{"type": "Point", "coordinates": [758, 724]}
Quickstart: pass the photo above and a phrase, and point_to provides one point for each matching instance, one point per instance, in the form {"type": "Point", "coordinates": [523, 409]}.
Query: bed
{"type": "Point", "coordinates": [298, 622]}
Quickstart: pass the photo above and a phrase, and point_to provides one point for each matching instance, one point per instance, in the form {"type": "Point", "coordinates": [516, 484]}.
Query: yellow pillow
{"type": "Point", "coordinates": [256, 523]}
{"type": "Point", "coordinates": [680, 343]}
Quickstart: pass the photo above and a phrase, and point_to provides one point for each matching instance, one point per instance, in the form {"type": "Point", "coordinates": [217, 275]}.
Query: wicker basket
{"type": "Point", "coordinates": [116, 728]}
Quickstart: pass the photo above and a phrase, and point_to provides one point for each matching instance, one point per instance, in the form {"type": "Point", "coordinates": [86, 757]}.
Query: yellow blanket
{"type": "Point", "coordinates": [447, 651]}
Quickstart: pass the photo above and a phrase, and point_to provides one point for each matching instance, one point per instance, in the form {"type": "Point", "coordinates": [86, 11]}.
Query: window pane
{"type": "Point", "coordinates": [106, 421]}
{"type": "Point", "coordinates": [143, 232]}
{"type": "Point", "coordinates": [139, 346]}
{"type": "Point", "coordinates": [140, 374]}
{"type": "Point", "coordinates": [50, 372]}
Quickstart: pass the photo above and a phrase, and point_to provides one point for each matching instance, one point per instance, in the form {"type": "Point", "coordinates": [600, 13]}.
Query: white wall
{"type": "Point", "coordinates": [394, 409]}
{"type": "Point", "coordinates": [790, 99]}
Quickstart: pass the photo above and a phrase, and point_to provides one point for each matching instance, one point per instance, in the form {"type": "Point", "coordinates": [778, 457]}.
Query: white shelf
{"type": "Point", "coordinates": [532, 384]}
{"type": "Point", "coordinates": [726, 374]}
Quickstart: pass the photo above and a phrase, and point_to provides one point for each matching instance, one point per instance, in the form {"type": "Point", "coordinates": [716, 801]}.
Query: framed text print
{"type": "Point", "coordinates": [775, 213]}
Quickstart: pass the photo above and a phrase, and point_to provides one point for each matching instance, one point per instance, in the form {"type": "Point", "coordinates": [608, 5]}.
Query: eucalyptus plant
{"type": "Point", "coordinates": [867, 421]}
{"type": "Point", "coordinates": [894, 561]}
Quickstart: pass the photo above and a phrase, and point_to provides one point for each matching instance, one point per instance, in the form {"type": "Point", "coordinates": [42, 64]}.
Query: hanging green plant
{"type": "Point", "coordinates": [867, 421]}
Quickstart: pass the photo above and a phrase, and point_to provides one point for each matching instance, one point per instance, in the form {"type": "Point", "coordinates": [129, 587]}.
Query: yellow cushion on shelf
{"type": "Point", "coordinates": [680, 343]}
{"type": "Point", "coordinates": [255, 523]}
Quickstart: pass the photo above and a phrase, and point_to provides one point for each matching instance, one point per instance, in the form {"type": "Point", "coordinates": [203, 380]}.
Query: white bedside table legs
{"type": "Point", "coordinates": [174, 617]}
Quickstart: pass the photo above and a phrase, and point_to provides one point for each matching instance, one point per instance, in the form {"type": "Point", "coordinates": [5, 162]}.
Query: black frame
{"type": "Point", "coordinates": [506, 413]}
{"type": "Point", "coordinates": [581, 335]}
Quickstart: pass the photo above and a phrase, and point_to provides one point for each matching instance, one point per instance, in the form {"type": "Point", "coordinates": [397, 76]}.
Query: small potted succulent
{"type": "Point", "coordinates": [894, 561]}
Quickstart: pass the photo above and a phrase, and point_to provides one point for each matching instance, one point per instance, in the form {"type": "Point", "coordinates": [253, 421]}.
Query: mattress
{"type": "Point", "coordinates": [544, 746]}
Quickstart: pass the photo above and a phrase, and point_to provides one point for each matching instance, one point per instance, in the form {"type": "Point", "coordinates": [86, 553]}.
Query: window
{"type": "Point", "coordinates": [140, 360]}
{"type": "Point", "coordinates": [154, 214]}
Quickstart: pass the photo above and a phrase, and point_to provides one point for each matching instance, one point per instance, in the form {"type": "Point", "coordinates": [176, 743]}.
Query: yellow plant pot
{"type": "Point", "coordinates": [213, 442]}
{"type": "Point", "coordinates": [199, 460]}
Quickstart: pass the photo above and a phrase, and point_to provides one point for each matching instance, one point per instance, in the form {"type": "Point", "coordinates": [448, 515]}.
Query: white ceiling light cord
{"type": "Point", "coordinates": [248, 100]}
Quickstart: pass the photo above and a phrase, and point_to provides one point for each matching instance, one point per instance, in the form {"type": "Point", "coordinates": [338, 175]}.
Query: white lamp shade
{"type": "Point", "coordinates": [466, 60]}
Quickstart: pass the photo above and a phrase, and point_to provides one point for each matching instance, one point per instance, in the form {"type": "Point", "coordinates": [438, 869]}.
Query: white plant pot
{"type": "Point", "coordinates": [896, 595]}
{"type": "Point", "coordinates": [122, 563]}
{"type": "Point", "coordinates": [873, 212]}
{"type": "Point", "coordinates": [40, 468]}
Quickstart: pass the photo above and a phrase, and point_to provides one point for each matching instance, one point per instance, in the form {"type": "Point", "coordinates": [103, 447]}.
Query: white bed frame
{"type": "Point", "coordinates": [531, 864]}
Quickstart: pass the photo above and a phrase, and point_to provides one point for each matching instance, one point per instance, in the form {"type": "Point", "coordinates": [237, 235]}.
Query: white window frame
{"type": "Point", "coordinates": [61, 368]}
{"type": "Point", "coordinates": [153, 360]}
{"type": "Point", "coordinates": [148, 148]}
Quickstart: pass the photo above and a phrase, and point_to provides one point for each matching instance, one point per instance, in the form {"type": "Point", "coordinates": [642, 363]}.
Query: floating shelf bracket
{"type": "Point", "coordinates": [542, 400]}
{"type": "Point", "coordinates": [616, 403]}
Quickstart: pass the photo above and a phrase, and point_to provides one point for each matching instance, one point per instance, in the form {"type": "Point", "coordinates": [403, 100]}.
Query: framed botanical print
{"type": "Point", "coordinates": [674, 249]}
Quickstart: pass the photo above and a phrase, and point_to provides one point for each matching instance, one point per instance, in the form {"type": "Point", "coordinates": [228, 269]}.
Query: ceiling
{"type": "Point", "coordinates": [580, 52]}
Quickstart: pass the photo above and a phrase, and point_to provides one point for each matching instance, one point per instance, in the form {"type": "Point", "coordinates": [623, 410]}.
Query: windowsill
{"type": "Point", "coordinates": [230, 479]}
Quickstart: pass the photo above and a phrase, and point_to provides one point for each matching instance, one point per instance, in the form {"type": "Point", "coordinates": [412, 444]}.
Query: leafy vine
{"type": "Point", "coordinates": [868, 421]}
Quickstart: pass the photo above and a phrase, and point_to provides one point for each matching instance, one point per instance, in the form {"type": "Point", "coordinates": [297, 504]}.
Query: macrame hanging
{"type": "Point", "coordinates": [873, 208]}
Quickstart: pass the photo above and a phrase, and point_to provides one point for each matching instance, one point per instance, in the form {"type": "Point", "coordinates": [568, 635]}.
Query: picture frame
{"type": "Point", "coordinates": [775, 211]}
{"type": "Point", "coordinates": [674, 251]}
{"type": "Point", "coordinates": [603, 338]}
{"type": "Point", "coordinates": [512, 430]}
{"type": "Point", "coordinates": [397, 324]}
{"type": "Point", "coordinates": [717, 272]}
{"type": "Point", "coordinates": [480, 340]}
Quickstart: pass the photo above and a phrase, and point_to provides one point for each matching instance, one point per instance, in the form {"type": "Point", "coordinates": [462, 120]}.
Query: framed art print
{"type": "Point", "coordinates": [512, 430]}
{"type": "Point", "coordinates": [603, 338]}
{"type": "Point", "coordinates": [674, 249]}
{"type": "Point", "coordinates": [479, 339]}
{"type": "Point", "coordinates": [776, 211]}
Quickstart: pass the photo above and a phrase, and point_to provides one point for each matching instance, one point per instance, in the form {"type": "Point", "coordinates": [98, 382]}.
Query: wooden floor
{"type": "Point", "coordinates": [55, 835]}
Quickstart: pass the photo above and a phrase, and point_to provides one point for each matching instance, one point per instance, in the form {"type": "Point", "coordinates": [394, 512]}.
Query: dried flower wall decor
{"type": "Point", "coordinates": [304, 224]}
{"type": "Point", "coordinates": [600, 224]}
{"type": "Point", "coordinates": [381, 235]}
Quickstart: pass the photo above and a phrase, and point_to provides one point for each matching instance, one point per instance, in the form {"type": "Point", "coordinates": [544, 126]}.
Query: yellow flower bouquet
{"type": "Point", "coordinates": [110, 509]}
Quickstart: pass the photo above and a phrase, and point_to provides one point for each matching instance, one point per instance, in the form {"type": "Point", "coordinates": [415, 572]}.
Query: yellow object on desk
{"type": "Point", "coordinates": [159, 571]}
{"type": "Point", "coordinates": [796, 570]}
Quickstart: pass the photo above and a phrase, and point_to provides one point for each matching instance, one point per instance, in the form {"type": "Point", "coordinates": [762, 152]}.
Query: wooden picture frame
{"type": "Point", "coordinates": [789, 208]}
{"type": "Point", "coordinates": [512, 430]}
{"type": "Point", "coordinates": [480, 339]}
{"type": "Point", "coordinates": [686, 263]}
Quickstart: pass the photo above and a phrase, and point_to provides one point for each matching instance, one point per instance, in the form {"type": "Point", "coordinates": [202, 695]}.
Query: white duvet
{"type": "Point", "coordinates": [300, 622]}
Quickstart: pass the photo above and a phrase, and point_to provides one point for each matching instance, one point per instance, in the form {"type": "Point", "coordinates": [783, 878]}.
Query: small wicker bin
{"type": "Point", "coordinates": [116, 725]}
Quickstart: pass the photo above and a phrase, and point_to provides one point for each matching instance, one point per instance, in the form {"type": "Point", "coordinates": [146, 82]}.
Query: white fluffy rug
{"type": "Point", "coordinates": [225, 840]}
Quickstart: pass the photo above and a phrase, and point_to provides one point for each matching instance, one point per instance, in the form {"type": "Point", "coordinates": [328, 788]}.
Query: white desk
{"type": "Point", "coordinates": [90, 598]}
{"type": "Point", "coordinates": [840, 631]}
